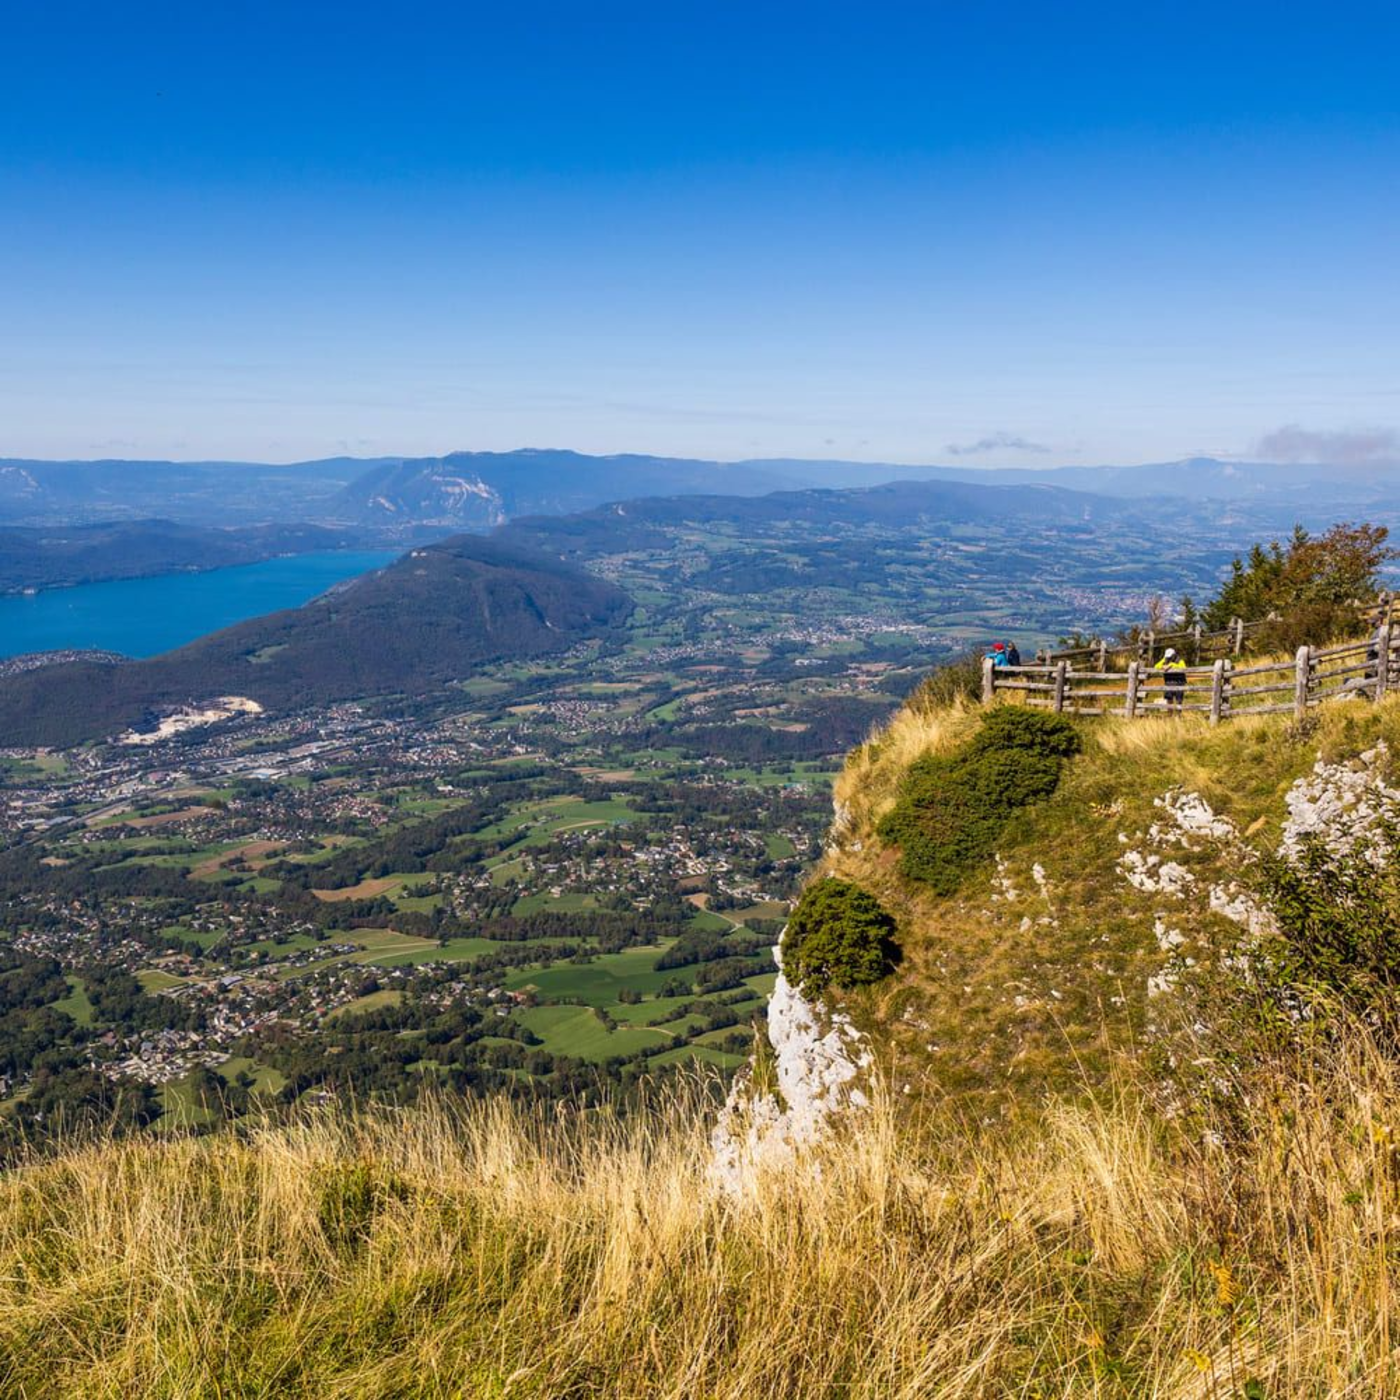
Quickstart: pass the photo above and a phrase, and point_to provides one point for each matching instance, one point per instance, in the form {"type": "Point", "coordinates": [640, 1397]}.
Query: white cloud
{"type": "Point", "coordinates": [1293, 443]}
{"type": "Point", "coordinates": [995, 442]}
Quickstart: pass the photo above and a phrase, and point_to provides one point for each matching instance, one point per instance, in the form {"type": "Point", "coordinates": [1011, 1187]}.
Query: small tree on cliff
{"type": "Point", "coordinates": [839, 936]}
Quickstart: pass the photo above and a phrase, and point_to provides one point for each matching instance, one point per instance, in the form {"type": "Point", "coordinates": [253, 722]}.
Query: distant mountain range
{"type": "Point", "coordinates": [482, 489]}
{"type": "Point", "coordinates": [1206, 479]}
{"type": "Point", "coordinates": [938, 504]}
{"type": "Point", "coordinates": [430, 618]}
{"type": "Point", "coordinates": [479, 490]}
{"type": "Point", "coordinates": [208, 493]}
{"type": "Point", "coordinates": [442, 610]}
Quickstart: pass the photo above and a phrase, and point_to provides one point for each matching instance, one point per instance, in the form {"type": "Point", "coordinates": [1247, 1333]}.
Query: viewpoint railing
{"type": "Point", "coordinates": [1201, 645]}
{"type": "Point", "coordinates": [1221, 690]}
{"type": "Point", "coordinates": [1196, 643]}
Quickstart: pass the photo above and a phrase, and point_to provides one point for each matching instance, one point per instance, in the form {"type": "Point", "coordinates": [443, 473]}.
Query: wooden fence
{"type": "Point", "coordinates": [1221, 690]}
{"type": "Point", "coordinates": [1195, 644]}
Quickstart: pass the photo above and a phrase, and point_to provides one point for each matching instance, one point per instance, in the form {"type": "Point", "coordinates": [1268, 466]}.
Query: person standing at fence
{"type": "Point", "coordinates": [1173, 670]}
{"type": "Point", "coordinates": [996, 654]}
{"type": "Point", "coordinates": [1013, 654]}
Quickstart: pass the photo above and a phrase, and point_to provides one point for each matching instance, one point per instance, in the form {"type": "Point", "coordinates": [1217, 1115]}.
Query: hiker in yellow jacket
{"type": "Point", "coordinates": [1173, 670]}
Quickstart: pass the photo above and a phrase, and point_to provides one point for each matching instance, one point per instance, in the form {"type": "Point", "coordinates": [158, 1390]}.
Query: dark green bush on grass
{"type": "Point", "coordinates": [839, 936]}
{"type": "Point", "coordinates": [952, 808]}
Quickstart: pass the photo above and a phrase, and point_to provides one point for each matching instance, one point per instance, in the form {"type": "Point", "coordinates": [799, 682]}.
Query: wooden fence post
{"type": "Point", "coordinates": [1217, 690]}
{"type": "Point", "coordinates": [989, 680]}
{"type": "Point", "coordinates": [1383, 658]}
{"type": "Point", "coordinates": [1196, 644]}
{"type": "Point", "coordinates": [1103, 655]}
{"type": "Point", "coordinates": [1151, 646]}
{"type": "Point", "coordinates": [1237, 626]}
{"type": "Point", "coordinates": [1134, 676]}
{"type": "Point", "coordinates": [1302, 665]}
{"type": "Point", "coordinates": [1061, 675]}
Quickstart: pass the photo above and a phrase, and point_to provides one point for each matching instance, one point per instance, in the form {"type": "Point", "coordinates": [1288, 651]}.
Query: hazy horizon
{"type": "Point", "coordinates": [1346, 457]}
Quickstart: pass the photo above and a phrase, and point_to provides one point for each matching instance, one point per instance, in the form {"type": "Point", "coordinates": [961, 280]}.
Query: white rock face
{"type": "Point", "coordinates": [818, 1056]}
{"type": "Point", "coordinates": [1241, 908]}
{"type": "Point", "coordinates": [1003, 887]}
{"type": "Point", "coordinates": [1168, 939]}
{"type": "Point", "coordinates": [1344, 805]}
{"type": "Point", "coordinates": [840, 830]}
{"type": "Point", "coordinates": [1341, 804]}
{"type": "Point", "coordinates": [1153, 875]}
{"type": "Point", "coordinates": [1188, 815]}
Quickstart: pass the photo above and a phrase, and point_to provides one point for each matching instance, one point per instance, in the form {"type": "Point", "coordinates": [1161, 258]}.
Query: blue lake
{"type": "Point", "coordinates": [144, 616]}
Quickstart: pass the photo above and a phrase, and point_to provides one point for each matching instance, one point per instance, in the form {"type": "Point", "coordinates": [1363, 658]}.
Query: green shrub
{"type": "Point", "coordinates": [952, 808]}
{"type": "Point", "coordinates": [1337, 915]}
{"type": "Point", "coordinates": [839, 936]}
{"type": "Point", "coordinates": [1312, 624]}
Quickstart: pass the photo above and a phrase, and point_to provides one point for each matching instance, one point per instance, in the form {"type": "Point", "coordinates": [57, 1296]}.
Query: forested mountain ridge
{"type": "Point", "coordinates": [938, 504]}
{"type": "Point", "coordinates": [207, 493]}
{"type": "Point", "coordinates": [424, 621]}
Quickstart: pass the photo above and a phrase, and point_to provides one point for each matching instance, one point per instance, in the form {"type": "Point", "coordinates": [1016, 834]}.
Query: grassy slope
{"type": "Point", "coordinates": [487, 1253]}
{"type": "Point", "coordinates": [1091, 1248]}
{"type": "Point", "coordinates": [1006, 999]}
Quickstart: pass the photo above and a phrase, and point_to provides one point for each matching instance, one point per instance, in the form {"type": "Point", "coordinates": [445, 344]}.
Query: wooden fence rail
{"type": "Point", "coordinates": [1313, 675]}
{"type": "Point", "coordinates": [1229, 642]}
{"type": "Point", "coordinates": [1201, 645]}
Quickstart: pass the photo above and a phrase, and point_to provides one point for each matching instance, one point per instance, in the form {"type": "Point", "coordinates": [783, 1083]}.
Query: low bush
{"type": "Point", "coordinates": [1336, 915]}
{"type": "Point", "coordinates": [839, 936]}
{"type": "Point", "coordinates": [952, 808]}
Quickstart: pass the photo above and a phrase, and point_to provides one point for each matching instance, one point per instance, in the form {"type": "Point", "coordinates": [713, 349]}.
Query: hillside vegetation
{"type": "Point", "coordinates": [1027, 971]}
{"type": "Point", "coordinates": [1105, 1252]}
{"type": "Point", "coordinates": [1091, 1165]}
{"type": "Point", "coordinates": [432, 617]}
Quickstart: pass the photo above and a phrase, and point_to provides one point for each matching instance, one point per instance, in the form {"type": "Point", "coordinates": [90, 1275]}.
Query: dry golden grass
{"type": "Point", "coordinates": [486, 1251]}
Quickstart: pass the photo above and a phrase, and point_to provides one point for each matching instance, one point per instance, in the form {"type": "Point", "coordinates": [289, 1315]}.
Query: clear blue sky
{"type": "Point", "coordinates": [1033, 232]}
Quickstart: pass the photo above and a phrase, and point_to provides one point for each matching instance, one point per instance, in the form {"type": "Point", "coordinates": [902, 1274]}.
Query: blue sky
{"type": "Point", "coordinates": [975, 232]}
